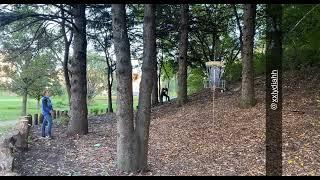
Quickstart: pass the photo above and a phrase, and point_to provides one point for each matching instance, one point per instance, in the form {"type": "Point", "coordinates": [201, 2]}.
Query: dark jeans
{"type": "Point", "coordinates": [47, 120]}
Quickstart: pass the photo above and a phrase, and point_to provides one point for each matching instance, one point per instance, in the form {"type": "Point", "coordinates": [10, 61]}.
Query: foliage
{"type": "Point", "coordinates": [96, 75]}
{"type": "Point", "coordinates": [233, 71]}
{"type": "Point", "coordinates": [301, 39]}
{"type": "Point", "coordinates": [63, 119]}
{"type": "Point", "coordinates": [169, 69]}
{"type": "Point", "coordinates": [195, 80]}
{"type": "Point", "coordinates": [259, 63]}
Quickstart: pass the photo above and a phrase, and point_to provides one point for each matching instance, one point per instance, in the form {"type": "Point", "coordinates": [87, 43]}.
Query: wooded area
{"type": "Point", "coordinates": [85, 50]}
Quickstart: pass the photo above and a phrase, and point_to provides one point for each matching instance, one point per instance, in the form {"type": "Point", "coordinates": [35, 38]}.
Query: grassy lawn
{"type": "Point", "coordinates": [10, 107]}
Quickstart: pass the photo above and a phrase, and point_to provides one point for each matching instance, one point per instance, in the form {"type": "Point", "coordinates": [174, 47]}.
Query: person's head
{"type": "Point", "coordinates": [46, 92]}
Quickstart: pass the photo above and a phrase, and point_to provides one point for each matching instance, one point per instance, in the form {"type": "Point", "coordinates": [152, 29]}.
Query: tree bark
{"type": "Point", "coordinates": [155, 95]}
{"type": "Point", "coordinates": [66, 70]}
{"type": "Point", "coordinates": [36, 122]}
{"type": "Point", "coordinates": [247, 92]}
{"type": "Point", "coordinates": [146, 85]}
{"type": "Point", "coordinates": [239, 25]}
{"type": "Point", "coordinates": [79, 112]}
{"type": "Point", "coordinates": [274, 55]}
{"type": "Point", "coordinates": [110, 109]}
{"type": "Point", "coordinates": [24, 103]}
{"type": "Point", "coordinates": [182, 72]}
{"type": "Point", "coordinates": [125, 126]}
{"type": "Point", "coordinates": [67, 43]}
{"type": "Point", "coordinates": [109, 84]}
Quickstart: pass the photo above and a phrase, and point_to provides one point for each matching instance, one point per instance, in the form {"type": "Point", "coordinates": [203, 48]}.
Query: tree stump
{"type": "Point", "coordinates": [35, 119]}
{"type": "Point", "coordinates": [41, 118]}
{"type": "Point", "coordinates": [29, 117]}
{"type": "Point", "coordinates": [16, 140]}
{"type": "Point", "coordinates": [54, 114]}
{"type": "Point", "coordinates": [58, 114]}
{"type": "Point", "coordinates": [23, 128]}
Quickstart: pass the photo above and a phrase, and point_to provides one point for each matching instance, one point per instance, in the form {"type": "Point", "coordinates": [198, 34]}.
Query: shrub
{"type": "Point", "coordinates": [195, 80]}
{"type": "Point", "coordinates": [60, 103]}
{"type": "Point", "coordinates": [259, 64]}
{"type": "Point", "coordinates": [233, 71]}
{"type": "Point", "coordinates": [64, 119]}
{"type": "Point", "coordinates": [96, 111]}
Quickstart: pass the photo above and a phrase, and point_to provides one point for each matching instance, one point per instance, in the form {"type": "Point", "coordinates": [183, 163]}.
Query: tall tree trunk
{"type": "Point", "coordinates": [247, 93]}
{"type": "Point", "coordinates": [109, 86]}
{"type": "Point", "coordinates": [274, 116]}
{"type": "Point", "coordinates": [24, 103]}
{"type": "Point", "coordinates": [67, 43]}
{"type": "Point", "coordinates": [125, 126]}
{"type": "Point", "coordinates": [155, 95]}
{"type": "Point", "coordinates": [146, 85]}
{"type": "Point", "coordinates": [79, 112]}
{"type": "Point", "coordinates": [182, 72]}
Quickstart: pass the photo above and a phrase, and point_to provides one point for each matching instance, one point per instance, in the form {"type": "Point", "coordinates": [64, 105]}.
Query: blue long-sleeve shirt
{"type": "Point", "coordinates": [46, 105]}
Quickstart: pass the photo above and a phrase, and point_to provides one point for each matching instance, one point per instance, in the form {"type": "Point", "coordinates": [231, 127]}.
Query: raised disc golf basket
{"type": "Point", "coordinates": [215, 72]}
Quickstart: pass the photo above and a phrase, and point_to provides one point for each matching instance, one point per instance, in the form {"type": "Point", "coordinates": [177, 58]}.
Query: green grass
{"type": "Point", "coordinates": [10, 107]}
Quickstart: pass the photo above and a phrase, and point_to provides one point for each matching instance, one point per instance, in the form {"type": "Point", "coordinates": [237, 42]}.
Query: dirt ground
{"type": "Point", "coordinates": [208, 136]}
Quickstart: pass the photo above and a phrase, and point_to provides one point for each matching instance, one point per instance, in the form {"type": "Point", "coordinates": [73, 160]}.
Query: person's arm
{"type": "Point", "coordinates": [50, 106]}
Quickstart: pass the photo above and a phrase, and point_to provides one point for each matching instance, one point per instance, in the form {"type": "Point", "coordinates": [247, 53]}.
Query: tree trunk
{"type": "Point", "coordinates": [79, 112]}
{"type": "Point", "coordinates": [125, 126]}
{"type": "Point", "coordinates": [110, 109]}
{"type": "Point", "coordinates": [146, 85]}
{"type": "Point", "coordinates": [274, 116]}
{"type": "Point", "coordinates": [239, 25]}
{"type": "Point", "coordinates": [159, 82]}
{"type": "Point", "coordinates": [109, 82]}
{"type": "Point", "coordinates": [36, 117]}
{"type": "Point", "coordinates": [24, 103]}
{"type": "Point", "coordinates": [66, 70]}
{"type": "Point", "coordinates": [247, 93]}
{"type": "Point", "coordinates": [67, 43]}
{"type": "Point", "coordinates": [182, 72]}
{"type": "Point", "coordinates": [155, 95]}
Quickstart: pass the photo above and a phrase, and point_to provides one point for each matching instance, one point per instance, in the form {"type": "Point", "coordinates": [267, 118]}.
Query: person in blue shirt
{"type": "Point", "coordinates": [47, 111]}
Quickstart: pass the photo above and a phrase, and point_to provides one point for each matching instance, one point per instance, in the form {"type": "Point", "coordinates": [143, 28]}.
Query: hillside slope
{"type": "Point", "coordinates": [207, 136]}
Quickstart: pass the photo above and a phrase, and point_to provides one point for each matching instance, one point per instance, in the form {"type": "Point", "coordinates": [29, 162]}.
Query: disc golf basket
{"type": "Point", "coordinates": [215, 70]}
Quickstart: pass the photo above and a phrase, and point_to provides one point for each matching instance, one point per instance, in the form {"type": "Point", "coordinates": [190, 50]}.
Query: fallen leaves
{"type": "Point", "coordinates": [190, 140]}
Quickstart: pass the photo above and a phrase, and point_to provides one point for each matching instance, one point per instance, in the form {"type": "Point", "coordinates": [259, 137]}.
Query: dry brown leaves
{"type": "Point", "coordinates": [204, 137]}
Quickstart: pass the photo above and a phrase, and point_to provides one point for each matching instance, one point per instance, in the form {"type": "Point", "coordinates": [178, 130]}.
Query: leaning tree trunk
{"type": "Point", "coordinates": [146, 85]}
{"type": "Point", "coordinates": [247, 93]}
{"type": "Point", "coordinates": [155, 95]}
{"type": "Point", "coordinates": [182, 72]}
{"type": "Point", "coordinates": [79, 112]}
{"type": "Point", "coordinates": [125, 127]}
{"type": "Point", "coordinates": [24, 103]}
